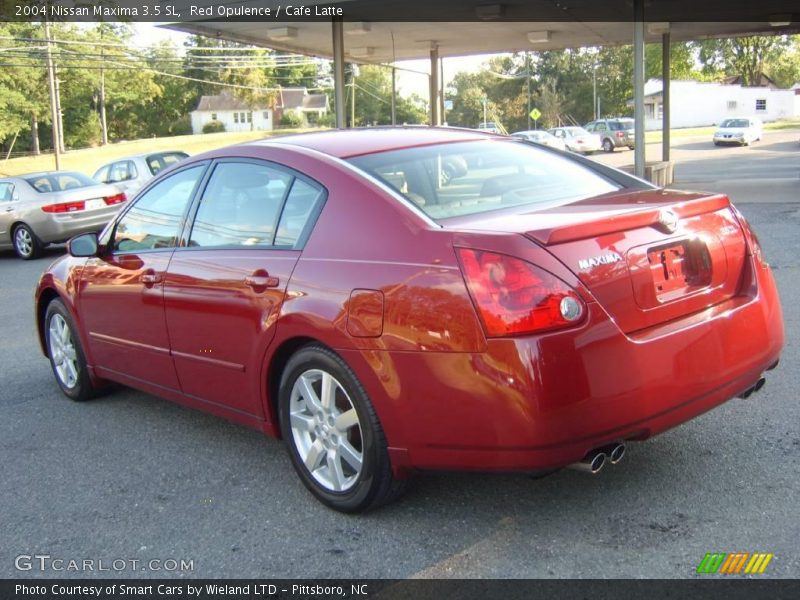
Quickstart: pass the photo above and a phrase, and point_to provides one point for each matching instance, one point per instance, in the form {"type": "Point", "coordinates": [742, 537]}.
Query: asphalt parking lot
{"type": "Point", "coordinates": [133, 477]}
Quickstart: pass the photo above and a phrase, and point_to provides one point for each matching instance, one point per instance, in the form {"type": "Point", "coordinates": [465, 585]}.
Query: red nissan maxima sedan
{"type": "Point", "coordinates": [383, 313]}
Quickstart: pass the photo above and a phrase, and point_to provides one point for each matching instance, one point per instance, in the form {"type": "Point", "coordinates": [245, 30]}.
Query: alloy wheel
{"type": "Point", "coordinates": [62, 350]}
{"type": "Point", "coordinates": [23, 241]}
{"type": "Point", "coordinates": [326, 430]}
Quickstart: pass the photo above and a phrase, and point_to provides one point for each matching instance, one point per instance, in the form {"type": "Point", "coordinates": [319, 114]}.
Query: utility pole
{"type": "Point", "coordinates": [59, 114]}
{"type": "Point", "coordinates": [353, 71]}
{"type": "Point", "coordinates": [394, 95]}
{"type": "Point", "coordinates": [528, 80]}
{"type": "Point", "coordinates": [103, 123]}
{"type": "Point", "coordinates": [53, 106]}
{"type": "Point", "coordinates": [484, 110]}
{"type": "Point", "coordinates": [594, 90]}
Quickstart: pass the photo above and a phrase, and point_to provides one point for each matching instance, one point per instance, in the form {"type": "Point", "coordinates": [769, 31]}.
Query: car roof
{"type": "Point", "coordinates": [347, 143]}
{"type": "Point", "coordinates": [141, 155]}
{"type": "Point", "coordinates": [46, 173]}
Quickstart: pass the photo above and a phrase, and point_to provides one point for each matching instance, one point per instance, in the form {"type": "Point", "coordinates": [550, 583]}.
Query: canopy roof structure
{"type": "Point", "coordinates": [387, 42]}
{"type": "Point", "coordinates": [385, 31]}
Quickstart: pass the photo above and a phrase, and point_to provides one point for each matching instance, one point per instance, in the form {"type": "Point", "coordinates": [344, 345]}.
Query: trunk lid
{"type": "Point", "coordinates": [646, 256]}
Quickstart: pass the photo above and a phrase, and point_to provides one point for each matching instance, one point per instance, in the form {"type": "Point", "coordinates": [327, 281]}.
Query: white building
{"type": "Point", "coordinates": [700, 104]}
{"type": "Point", "coordinates": [236, 115]}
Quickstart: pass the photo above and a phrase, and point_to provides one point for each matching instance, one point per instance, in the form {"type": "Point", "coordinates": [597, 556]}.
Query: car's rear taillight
{"type": "Point", "coordinates": [620, 134]}
{"type": "Point", "coordinates": [579, 141]}
{"type": "Point", "coordinates": [751, 239]}
{"type": "Point", "coordinates": [115, 199]}
{"type": "Point", "coordinates": [514, 297]}
{"type": "Point", "coordinates": [64, 207]}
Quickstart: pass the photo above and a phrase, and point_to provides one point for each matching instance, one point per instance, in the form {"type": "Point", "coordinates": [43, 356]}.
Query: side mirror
{"type": "Point", "coordinates": [83, 245]}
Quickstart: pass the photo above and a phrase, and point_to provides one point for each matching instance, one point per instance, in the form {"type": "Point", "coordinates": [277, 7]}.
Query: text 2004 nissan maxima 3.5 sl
{"type": "Point", "coordinates": [532, 311]}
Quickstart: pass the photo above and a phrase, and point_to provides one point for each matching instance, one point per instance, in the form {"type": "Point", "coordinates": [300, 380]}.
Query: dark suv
{"type": "Point", "coordinates": [613, 133]}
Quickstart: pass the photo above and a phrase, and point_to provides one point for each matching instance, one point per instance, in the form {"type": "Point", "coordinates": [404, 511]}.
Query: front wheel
{"type": "Point", "coordinates": [332, 433]}
{"type": "Point", "coordinates": [66, 354]}
{"type": "Point", "coordinates": [26, 244]}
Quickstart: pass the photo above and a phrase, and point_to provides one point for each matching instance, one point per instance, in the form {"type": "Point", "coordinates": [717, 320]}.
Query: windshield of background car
{"type": "Point", "coordinates": [158, 162]}
{"type": "Point", "coordinates": [735, 123]}
{"type": "Point", "coordinates": [59, 182]}
{"type": "Point", "coordinates": [449, 180]}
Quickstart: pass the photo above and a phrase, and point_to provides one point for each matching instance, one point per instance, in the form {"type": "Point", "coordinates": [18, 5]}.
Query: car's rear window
{"type": "Point", "coordinates": [59, 182]}
{"type": "Point", "coordinates": [620, 125]}
{"type": "Point", "coordinates": [449, 180]}
{"type": "Point", "coordinates": [159, 162]}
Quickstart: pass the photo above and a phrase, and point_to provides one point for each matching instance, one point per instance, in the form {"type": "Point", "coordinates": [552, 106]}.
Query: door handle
{"type": "Point", "coordinates": [261, 281]}
{"type": "Point", "coordinates": [150, 277]}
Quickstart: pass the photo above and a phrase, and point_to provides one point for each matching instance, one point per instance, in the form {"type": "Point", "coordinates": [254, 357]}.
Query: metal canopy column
{"type": "Point", "coordinates": [338, 71]}
{"type": "Point", "coordinates": [638, 86]}
{"type": "Point", "coordinates": [436, 115]}
{"type": "Point", "coordinates": [665, 81]}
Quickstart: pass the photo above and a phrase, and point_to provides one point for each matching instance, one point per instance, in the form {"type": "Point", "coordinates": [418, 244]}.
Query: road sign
{"type": "Point", "coordinates": [535, 114]}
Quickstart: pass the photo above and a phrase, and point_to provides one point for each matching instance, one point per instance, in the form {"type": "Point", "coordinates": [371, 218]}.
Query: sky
{"type": "Point", "coordinates": [407, 83]}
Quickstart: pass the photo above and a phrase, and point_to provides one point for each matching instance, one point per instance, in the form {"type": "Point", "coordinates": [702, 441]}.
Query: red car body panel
{"type": "Point", "coordinates": [380, 284]}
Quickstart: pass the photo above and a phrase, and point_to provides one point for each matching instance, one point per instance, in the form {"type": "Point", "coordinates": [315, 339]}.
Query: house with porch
{"type": "Point", "coordinates": [237, 115]}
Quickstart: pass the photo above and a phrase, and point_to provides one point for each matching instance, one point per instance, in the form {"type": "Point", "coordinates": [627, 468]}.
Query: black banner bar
{"type": "Point", "coordinates": [717, 588]}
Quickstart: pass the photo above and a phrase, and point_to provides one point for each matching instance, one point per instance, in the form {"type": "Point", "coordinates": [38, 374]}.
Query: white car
{"type": "Point", "coordinates": [577, 139]}
{"type": "Point", "coordinates": [742, 131]}
{"type": "Point", "coordinates": [540, 136]}
{"type": "Point", "coordinates": [129, 174]}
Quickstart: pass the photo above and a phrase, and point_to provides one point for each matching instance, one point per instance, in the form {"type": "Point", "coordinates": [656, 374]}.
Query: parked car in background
{"type": "Point", "coordinates": [742, 131]}
{"type": "Point", "coordinates": [614, 133]}
{"type": "Point", "coordinates": [489, 127]}
{"type": "Point", "coordinates": [540, 136]}
{"type": "Point", "coordinates": [46, 208]}
{"type": "Point", "coordinates": [577, 139]}
{"type": "Point", "coordinates": [132, 172]}
{"type": "Point", "coordinates": [331, 289]}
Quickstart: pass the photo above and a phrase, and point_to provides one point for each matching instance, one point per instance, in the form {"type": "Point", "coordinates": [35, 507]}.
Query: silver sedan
{"type": "Point", "coordinates": [47, 208]}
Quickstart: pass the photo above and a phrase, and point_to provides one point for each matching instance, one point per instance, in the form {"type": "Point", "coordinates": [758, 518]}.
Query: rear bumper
{"type": "Point", "coordinates": [59, 228]}
{"type": "Point", "coordinates": [544, 402]}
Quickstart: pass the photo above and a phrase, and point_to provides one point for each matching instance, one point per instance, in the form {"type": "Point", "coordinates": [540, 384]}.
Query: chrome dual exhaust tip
{"type": "Point", "coordinates": [597, 459]}
{"type": "Point", "coordinates": [752, 390]}
{"type": "Point", "coordinates": [593, 462]}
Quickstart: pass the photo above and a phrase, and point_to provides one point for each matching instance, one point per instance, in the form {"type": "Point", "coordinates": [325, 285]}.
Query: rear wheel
{"type": "Point", "coordinates": [608, 145]}
{"type": "Point", "coordinates": [26, 244]}
{"type": "Point", "coordinates": [66, 354]}
{"type": "Point", "coordinates": [332, 433]}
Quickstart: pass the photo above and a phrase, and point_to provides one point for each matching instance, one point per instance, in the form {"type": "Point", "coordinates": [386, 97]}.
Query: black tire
{"type": "Point", "coordinates": [608, 145]}
{"type": "Point", "coordinates": [717, 144]}
{"type": "Point", "coordinates": [370, 486]}
{"type": "Point", "coordinates": [79, 386]}
{"type": "Point", "coordinates": [26, 244]}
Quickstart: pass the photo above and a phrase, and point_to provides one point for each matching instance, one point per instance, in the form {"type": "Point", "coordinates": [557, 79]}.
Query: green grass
{"type": "Point", "coordinates": [789, 124]}
{"type": "Point", "coordinates": [88, 160]}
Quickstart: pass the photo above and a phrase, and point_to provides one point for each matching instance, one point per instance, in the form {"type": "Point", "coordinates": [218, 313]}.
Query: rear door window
{"type": "Point", "coordinates": [254, 204]}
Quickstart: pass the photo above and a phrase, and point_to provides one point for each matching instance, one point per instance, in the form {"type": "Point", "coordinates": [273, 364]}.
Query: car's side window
{"type": "Point", "coordinates": [240, 206]}
{"type": "Point", "coordinates": [300, 206]}
{"type": "Point", "coordinates": [6, 191]}
{"type": "Point", "coordinates": [600, 127]}
{"type": "Point", "coordinates": [102, 175]}
{"type": "Point", "coordinates": [122, 171]}
{"type": "Point", "coordinates": [155, 218]}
